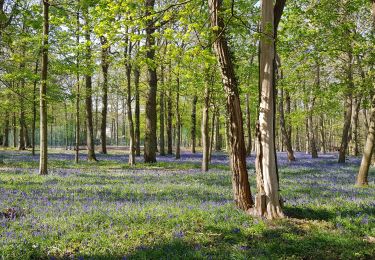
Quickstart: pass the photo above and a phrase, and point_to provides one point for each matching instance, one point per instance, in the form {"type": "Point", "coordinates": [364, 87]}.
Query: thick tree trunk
{"type": "Point", "coordinates": [43, 92]}
{"type": "Point", "coordinates": [347, 111]}
{"type": "Point", "coordinates": [362, 177]}
{"type": "Point", "coordinates": [151, 115]}
{"type": "Point", "coordinates": [161, 113]}
{"type": "Point", "coordinates": [240, 182]}
{"type": "Point", "coordinates": [105, 66]}
{"type": "Point", "coordinates": [137, 131]}
{"type": "Point", "coordinates": [204, 128]}
{"type": "Point", "coordinates": [194, 123]}
{"type": "Point", "coordinates": [248, 125]}
{"type": "Point", "coordinates": [267, 202]}
{"type": "Point", "coordinates": [88, 98]}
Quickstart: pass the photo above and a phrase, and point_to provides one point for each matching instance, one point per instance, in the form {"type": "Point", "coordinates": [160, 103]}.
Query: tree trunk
{"type": "Point", "coordinates": [284, 131]}
{"type": "Point", "coordinates": [137, 131]}
{"type": "Point", "coordinates": [322, 134]}
{"type": "Point", "coordinates": [204, 129]}
{"type": "Point", "coordinates": [151, 115]}
{"type": "Point", "coordinates": [267, 201]}
{"type": "Point", "coordinates": [77, 119]}
{"type": "Point", "coordinates": [212, 133]}
{"type": "Point", "coordinates": [347, 111]}
{"type": "Point", "coordinates": [14, 124]}
{"type": "Point", "coordinates": [43, 93]}
{"type": "Point", "coordinates": [194, 123]}
{"type": "Point", "coordinates": [240, 182]}
{"type": "Point", "coordinates": [88, 98]}
{"type": "Point", "coordinates": [248, 125]}
{"type": "Point", "coordinates": [129, 104]}
{"type": "Point", "coordinates": [169, 116]}
{"type": "Point", "coordinates": [178, 120]}
{"type": "Point", "coordinates": [354, 123]}
{"type": "Point", "coordinates": [105, 66]}
{"type": "Point", "coordinates": [6, 130]}
{"type": "Point", "coordinates": [217, 132]}
{"type": "Point", "coordinates": [161, 112]}
{"type": "Point", "coordinates": [21, 133]}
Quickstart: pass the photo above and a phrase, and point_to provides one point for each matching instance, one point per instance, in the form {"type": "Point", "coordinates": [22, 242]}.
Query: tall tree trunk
{"type": "Point", "coordinates": [354, 123]}
{"type": "Point", "coordinates": [204, 128]}
{"type": "Point", "coordinates": [248, 125]}
{"type": "Point", "coordinates": [14, 124]}
{"type": "Point", "coordinates": [43, 92]}
{"type": "Point", "coordinates": [347, 111]}
{"type": "Point", "coordinates": [6, 130]}
{"type": "Point", "coordinates": [169, 115]}
{"type": "Point", "coordinates": [77, 119]}
{"type": "Point", "coordinates": [128, 51]}
{"type": "Point", "coordinates": [21, 135]}
{"type": "Point", "coordinates": [137, 131]}
{"type": "Point", "coordinates": [88, 98]}
{"type": "Point", "coordinates": [178, 120]}
{"type": "Point", "coordinates": [217, 132]}
{"type": "Point", "coordinates": [212, 133]}
{"type": "Point", "coordinates": [310, 122]}
{"type": "Point", "coordinates": [240, 182]}
{"type": "Point", "coordinates": [284, 131]}
{"type": "Point", "coordinates": [161, 112]}
{"type": "Point", "coordinates": [26, 136]}
{"type": "Point", "coordinates": [151, 115]}
{"type": "Point", "coordinates": [267, 201]}
{"type": "Point", "coordinates": [105, 66]}
{"type": "Point", "coordinates": [193, 123]}
{"type": "Point", "coordinates": [322, 134]}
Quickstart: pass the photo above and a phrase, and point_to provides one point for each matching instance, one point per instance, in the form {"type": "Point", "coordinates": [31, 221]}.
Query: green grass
{"type": "Point", "coordinates": [170, 210]}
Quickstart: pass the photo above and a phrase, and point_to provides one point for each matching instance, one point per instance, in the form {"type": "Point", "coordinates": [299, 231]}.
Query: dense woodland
{"type": "Point", "coordinates": [152, 77]}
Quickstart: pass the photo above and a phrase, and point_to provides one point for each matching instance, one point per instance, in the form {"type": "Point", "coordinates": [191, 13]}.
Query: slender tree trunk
{"type": "Point", "coordinates": [43, 92]}
{"type": "Point", "coordinates": [204, 129]}
{"type": "Point", "coordinates": [34, 111]}
{"type": "Point", "coordinates": [240, 182]}
{"type": "Point", "coordinates": [169, 116]}
{"type": "Point", "coordinates": [161, 122]}
{"type": "Point", "coordinates": [105, 66]}
{"type": "Point", "coordinates": [137, 113]}
{"type": "Point", "coordinates": [6, 129]}
{"type": "Point", "coordinates": [248, 125]}
{"type": "Point", "coordinates": [88, 99]}
{"type": "Point", "coordinates": [77, 119]}
{"type": "Point", "coordinates": [151, 115]}
{"type": "Point", "coordinates": [284, 131]}
{"type": "Point", "coordinates": [194, 123]}
{"type": "Point", "coordinates": [128, 51]}
{"type": "Point", "coordinates": [347, 111]}
{"type": "Point", "coordinates": [354, 123]}
{"type": "Point", "coordinates": [267, 201]}
{"type": "Point", "coordinates": [21, 134]}
{"type": "Point", "coordinates": [322, 134]}
{"type": "Point", "coordinates": [14, 123]}
{"type": "Point", "coordinates": [217, 132]}
{"type": "Point", "coordinates": [213, 121]}
{"type": "Point", "coordinates": [178, 120]}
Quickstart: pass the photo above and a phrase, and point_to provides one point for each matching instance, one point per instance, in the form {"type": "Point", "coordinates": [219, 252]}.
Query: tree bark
{"type": "Point", "coordinates": [137, 131]}
{"type": "Point", "coordinates": [212, 133]}
{"type": "Point", "coordinates": [161, 112]}
{"type": "Point", "coordinates": [178, 120]}
{"type": "Point", "coordinates": [267, 201]}
{"type": "Point", "coordinates": [193, 123]}
{"type": "Point", "coordinates": [43, 93]}
{"type": "Point", "coordinates": [322, 134]}
{"type": "Point", "coordinates": [240, 182]}
{"type": "Point", "coordinates": [169, 114]}
{"type": "Point", "coordinates": [354, 123]}
{"type": "Point", "coordinates": [151, 115]}
{"type": "Point", "coordinates": [128, 51]}
{"type": "Point", "coordinates": [248, 125]}
{"type": "Point", "coordinates": [6, 130]}
{"type": "Point", "coordinates": [105, 66]}
{"type": "Point", "coordinates": [88, 91]}
{"type": "Point", "coordinates": [347, 111]}
{"type": "Point", "coordinates": [217, 132]}
{"type": "Point", "coordinates": [14, 124]}
{"type": "Point", "coordinates": [204, 128]}
{"type": "Point", "coordinates": [77, 119]}
{"type": "Point", "coordinates": [286, 133]}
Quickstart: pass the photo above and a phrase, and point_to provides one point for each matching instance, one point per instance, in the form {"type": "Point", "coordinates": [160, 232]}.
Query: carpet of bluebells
{"type": "Point", "coordinates": [170, 210]}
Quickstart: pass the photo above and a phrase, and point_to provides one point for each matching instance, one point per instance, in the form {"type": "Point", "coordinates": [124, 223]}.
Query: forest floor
{"type": "Point", "coordinates": [170, 210]}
